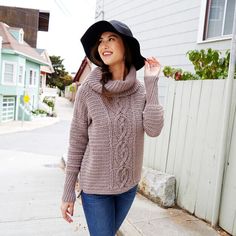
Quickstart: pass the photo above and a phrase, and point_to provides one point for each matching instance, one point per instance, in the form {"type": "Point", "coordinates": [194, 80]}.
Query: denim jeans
{"type": "Point", "coordinates": [105, 213]}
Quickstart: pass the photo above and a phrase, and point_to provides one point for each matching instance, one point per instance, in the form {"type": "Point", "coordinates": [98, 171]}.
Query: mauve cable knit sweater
{"type": "Point", "coordinates": [107, 135]}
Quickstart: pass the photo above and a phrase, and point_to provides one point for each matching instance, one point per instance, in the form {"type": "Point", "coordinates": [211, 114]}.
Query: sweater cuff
{"type": "Point", "coordinates": [69, 187]}
{"type": "Point", "coordinates": [151, 86]}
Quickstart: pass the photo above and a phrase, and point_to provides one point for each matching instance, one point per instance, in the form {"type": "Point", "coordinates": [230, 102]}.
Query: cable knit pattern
{"type": "Point", "coordinates": [107, 134]}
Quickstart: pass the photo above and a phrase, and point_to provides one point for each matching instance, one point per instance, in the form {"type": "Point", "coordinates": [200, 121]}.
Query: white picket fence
{"type": "Point", "coordinates": [189, 148]}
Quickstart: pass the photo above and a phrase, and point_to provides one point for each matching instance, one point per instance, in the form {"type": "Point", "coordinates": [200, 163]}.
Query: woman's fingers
{"type": "Point", "coordinates": [71, 210]}
{"type": "Point", "coordinates": [152, 67]}
{"type": "Point", "coordinates": [152, 61]}
{"type": "Point", "coordinates": [68, 217]}
{"type": "Point", "coordinates": [67, 211]}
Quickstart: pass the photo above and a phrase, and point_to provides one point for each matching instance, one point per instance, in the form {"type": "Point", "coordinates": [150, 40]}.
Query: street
{"type": "Point", "coordinates": [50, 140]}
{"type": "Point", "coordinates": [31, 181]}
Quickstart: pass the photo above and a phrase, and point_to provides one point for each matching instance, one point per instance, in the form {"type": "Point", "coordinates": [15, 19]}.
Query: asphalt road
{"type": "Point", "coordinates": [51, 140]}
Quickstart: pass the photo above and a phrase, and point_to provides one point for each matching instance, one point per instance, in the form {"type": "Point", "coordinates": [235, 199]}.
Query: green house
{"type": "Point", "coordinates": [19, 75]}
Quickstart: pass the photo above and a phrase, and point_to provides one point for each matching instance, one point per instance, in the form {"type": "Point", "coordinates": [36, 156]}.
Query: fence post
{"type": "Point", "coordinates": [225, 128]}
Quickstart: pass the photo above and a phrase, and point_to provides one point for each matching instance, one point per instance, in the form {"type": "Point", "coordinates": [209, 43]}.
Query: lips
{"type": "Point", "coordinates": [107, 53]}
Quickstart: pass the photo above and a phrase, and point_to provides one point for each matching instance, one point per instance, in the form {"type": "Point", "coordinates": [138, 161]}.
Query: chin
{"type": "Point", "coordinates": [107, 63]}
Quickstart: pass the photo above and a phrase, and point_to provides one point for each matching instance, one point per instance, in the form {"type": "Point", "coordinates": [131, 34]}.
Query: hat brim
{"type": "Point", "coordinates": [90, 37]}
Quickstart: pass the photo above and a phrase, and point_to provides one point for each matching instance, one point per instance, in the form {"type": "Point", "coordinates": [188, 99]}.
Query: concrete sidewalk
{"type": "Point", "coordinates": [32, 184]}
{"type": "Point", "coordinates": [32, 193]}
{"type": "Point", "coordinates": [148, 219]}
{"type": "Point", "coordinates": [30, 197]}
{"type": "Point", "coordinates": [18, 126]}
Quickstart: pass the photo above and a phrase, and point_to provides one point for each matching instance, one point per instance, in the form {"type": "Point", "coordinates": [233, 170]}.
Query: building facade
{"type": "Point", "coordinates": [20, 75]}
{"type": "Point", "coordinates": [169, 29]}
{"type": "Point", "coordinates": [30, 20]}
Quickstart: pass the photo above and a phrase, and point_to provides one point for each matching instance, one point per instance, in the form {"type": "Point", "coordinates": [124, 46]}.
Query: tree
{"type": "Point", "coordinates": [60, 78]}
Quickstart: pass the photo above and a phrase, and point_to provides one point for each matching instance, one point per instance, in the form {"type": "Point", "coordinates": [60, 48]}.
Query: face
{"type": "Point", "coordinates": [111, 49]}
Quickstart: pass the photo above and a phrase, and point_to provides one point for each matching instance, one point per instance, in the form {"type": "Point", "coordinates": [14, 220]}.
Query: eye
{"type": "Point", "coordinates": [111, 39]}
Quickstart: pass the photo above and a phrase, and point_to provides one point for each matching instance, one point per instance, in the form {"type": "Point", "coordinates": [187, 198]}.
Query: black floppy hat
{"type": "Point", "coordinates": [90, 37]}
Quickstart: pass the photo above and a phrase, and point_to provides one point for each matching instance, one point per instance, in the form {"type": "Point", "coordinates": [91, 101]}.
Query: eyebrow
{"type": "Point", "coordinates": [110, 35]}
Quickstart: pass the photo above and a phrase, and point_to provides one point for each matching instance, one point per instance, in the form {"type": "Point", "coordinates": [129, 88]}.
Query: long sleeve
{"type": "Point", "coordinates": [153, 115]}
{"type": "Point", "coordinates": [77, 145]}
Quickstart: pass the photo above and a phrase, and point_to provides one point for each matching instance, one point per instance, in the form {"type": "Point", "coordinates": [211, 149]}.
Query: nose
{"type": "Point", "coordinates": [104, 44]}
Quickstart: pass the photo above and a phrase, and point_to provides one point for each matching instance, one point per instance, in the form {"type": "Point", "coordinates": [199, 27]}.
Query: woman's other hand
{"type": "Point", "coordinates": [67, 210]}
{"type": "Point", "coordinates": [152, 67]}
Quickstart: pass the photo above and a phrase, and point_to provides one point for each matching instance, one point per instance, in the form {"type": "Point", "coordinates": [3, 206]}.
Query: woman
{"type": "Point", "coordinates": [112, 111]}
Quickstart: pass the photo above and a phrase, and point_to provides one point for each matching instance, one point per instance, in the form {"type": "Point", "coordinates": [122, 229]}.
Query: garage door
{"type": "Point", "coordinates": [8, 109]}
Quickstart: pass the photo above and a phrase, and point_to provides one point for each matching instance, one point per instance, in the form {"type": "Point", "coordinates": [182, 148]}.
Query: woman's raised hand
{"type": "Point", "coordinates": [152, 67]}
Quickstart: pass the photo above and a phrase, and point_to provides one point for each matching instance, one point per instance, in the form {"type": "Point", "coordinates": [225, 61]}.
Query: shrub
{"type": "Point", "coordinates": [208, 64]}
{"type": "Point", "coordinates": [50, 102]}
{"type": "Point", "coordinates": [38, 112]}
{"type": "Point", "coordinates": [178, 74]}
{"type": "Point", "coordinates": [72, 88]}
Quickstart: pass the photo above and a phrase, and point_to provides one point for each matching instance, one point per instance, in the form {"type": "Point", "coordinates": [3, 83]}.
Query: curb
{"type": "Point", "coordinates": [18, 126]}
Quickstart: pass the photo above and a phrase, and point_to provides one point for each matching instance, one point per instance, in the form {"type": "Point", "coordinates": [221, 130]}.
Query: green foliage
{"type": "Point", "coordinates": [50, 102]}
{"type": "Point", "coordinates": [60, 78]}
{"type": "Point", "coordinates": [72, 88]}
{"type": "Point", "coordinates": [208, 64]}
{"type": "Point", "coordinates": [189, 76]}
{"type": "Point", "coordinates": [168, 71]}
{"type": "Point", "coordinates": [38, 112]}
{"type": "Point", "coordinates": [178, 74]}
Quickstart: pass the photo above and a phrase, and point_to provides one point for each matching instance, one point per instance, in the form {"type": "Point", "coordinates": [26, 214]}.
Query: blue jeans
{"type": "Point", "coordinates": [105, 213]}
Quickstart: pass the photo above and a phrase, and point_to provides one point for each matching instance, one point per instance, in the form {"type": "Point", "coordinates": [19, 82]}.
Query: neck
{"type": "Point", "coordinates": [118, 71]}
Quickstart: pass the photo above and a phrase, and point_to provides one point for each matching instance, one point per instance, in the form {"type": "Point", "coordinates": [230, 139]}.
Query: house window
{"type": "Point", "coordinates": [21, 75]}
{"type": "Point", "coordinates": [33, 77]}
{"type": "Point", "coordinates": [41, 81]}
{"type": "Point", "coordinates": [21, 37]}
{"type": "Point", "coordinates": [8, 73]}
{"type": "Point", "coordinates": [219, 18]}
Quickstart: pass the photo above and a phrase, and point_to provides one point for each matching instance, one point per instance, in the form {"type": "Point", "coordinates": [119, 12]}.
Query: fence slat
{"type": "Point", "coordinates": [227, 219]}
{"type": "Point", "coordinates": [187, 180]}
{"type": "Point", "coordinates": [174, 135]}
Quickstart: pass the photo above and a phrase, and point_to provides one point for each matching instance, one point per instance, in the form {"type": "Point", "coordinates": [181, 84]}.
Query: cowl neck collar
{"type": "Point", "coordinates": [115, 87]}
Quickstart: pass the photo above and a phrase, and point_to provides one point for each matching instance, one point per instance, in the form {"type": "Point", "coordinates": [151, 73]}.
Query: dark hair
{"type": "Point", "coordinates": [106, 74]}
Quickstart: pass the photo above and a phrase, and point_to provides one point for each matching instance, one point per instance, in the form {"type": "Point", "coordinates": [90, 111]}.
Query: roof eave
{"type": "Point", "coordinates": [10, 51]}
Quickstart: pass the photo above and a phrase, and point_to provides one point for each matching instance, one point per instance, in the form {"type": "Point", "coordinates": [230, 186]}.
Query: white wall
{"type": "Point", "coordinates": [165, 29]}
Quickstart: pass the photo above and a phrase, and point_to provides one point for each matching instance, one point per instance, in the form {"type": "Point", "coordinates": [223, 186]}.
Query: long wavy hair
{"type": "Point", "coordinates": [106, 74]}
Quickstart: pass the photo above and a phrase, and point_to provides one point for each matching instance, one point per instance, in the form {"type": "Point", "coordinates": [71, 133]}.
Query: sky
{"type": "Point", "coordinates": [68, 21]}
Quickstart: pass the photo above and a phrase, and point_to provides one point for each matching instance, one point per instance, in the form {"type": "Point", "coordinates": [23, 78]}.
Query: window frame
{"type": "Point", "coordinates": [202, 29]}
{"type": "Point", "coordinates": [34, 77]}
{"type": "Point", "coordinates": [13, 73]}
{"type": "Point", "coordinates": [23, 75]}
